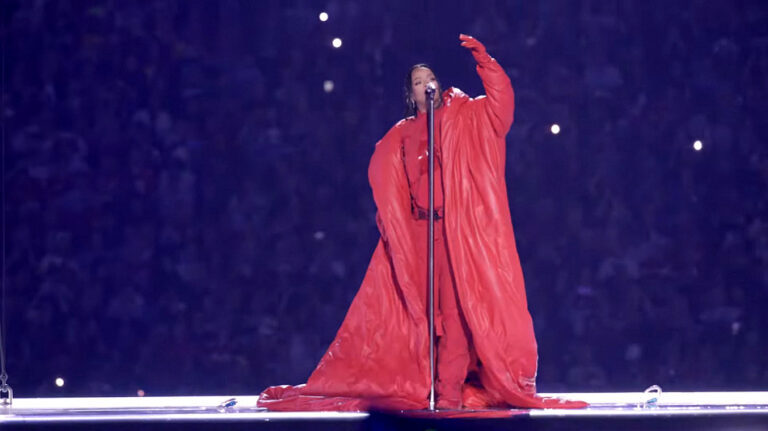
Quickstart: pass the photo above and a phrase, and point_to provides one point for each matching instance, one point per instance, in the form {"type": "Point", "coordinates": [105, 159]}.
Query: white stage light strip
{"type": "Point", "coordinates": [668, 398]}
{"type": "Point", "coordinates": [183, 417]}
{"type": "Point", "coordinates": [207, 408]}
{"type": "Point", "coordinates": [131, 402]}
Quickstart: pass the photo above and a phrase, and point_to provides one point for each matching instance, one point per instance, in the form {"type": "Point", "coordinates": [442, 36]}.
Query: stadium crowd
{"type": "Point", "coordinates": [188, 209]}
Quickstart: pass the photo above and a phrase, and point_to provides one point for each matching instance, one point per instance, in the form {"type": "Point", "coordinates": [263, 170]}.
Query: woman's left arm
{"type": "Point", "coordinates": [499, 105]}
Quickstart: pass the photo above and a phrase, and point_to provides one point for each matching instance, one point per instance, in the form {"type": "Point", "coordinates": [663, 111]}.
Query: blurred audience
{"type": "Point", "coordinates": [188, 210]}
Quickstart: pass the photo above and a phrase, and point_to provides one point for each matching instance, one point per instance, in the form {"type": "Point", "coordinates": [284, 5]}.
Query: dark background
{"type": "Point", "coordinates": [188, 210]}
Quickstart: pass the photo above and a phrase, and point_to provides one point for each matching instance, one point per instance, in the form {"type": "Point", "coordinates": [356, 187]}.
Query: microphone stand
{"type": "Point", "coordinates": [430, 93]}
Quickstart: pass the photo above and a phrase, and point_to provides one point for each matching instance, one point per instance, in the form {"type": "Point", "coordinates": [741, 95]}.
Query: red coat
{"type": "Point", "coordinates": [381, 352]}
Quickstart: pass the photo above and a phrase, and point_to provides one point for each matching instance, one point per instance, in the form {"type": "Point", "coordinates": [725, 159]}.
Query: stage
{"type": "Point", "coordinates": [623, 410]}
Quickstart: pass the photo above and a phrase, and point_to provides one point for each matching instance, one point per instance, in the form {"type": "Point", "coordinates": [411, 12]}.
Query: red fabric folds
{"type": "Point", "coordinates": [379, 357]}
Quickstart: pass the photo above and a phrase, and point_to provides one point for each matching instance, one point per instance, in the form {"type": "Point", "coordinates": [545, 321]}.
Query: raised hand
{"type": "Point", "coordinates": [475, 47]}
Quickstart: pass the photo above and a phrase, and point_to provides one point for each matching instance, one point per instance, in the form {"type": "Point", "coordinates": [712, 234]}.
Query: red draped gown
{"type": "Point", "coordinates": [380, 355]}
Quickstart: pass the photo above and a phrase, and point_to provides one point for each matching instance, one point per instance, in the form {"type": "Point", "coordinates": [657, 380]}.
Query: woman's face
{"type": "Point", "coordinates": [419, 79]}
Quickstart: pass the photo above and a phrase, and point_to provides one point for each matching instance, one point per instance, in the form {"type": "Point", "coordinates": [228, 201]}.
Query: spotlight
{"type": "Point", "coordinates": [328, 85]}
{"type": "Point", "coordinates": [336, 42]}
{"type": "Point", "coordinates": [698, 145]}
{"type": "Point", "coordinates": [59, 382]}
{"type": "Point", "coordinates": [555, 129]}
{"type": "Point", "coordinates": [319, 235]}
{"type": "Point", "coordinates": [323, 16]}
{"type": "Point", "coordinates": [140, 392]}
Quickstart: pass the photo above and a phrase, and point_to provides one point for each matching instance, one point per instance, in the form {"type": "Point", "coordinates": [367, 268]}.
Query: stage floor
{"type": "Point", "coordinates": [671, 410]}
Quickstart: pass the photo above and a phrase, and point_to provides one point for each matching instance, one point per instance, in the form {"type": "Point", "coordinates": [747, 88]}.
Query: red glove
{"type": "Point", "coordinates": [477, 48]}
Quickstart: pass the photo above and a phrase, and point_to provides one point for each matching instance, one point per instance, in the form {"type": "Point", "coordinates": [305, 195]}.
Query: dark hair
{"type": "Point", "coordinates": [410, 105]}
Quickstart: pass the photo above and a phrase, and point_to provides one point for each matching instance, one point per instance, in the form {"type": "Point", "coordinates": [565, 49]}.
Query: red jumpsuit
{"type": "Point", "coordinates": [453, 356]}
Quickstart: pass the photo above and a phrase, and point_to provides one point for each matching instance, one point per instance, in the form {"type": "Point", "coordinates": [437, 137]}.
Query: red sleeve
{"type": "Point", "coordinates": [499, 103]}
{"type": "Point", "coordinates": [386, 176]}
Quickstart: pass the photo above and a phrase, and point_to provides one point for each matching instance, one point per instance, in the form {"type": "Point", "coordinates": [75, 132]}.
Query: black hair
{"type": "Point", "coordinates": [410, 106]}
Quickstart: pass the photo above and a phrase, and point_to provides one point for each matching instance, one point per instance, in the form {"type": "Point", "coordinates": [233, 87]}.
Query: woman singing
{"type": "Point", "coordinates": [486, 349]}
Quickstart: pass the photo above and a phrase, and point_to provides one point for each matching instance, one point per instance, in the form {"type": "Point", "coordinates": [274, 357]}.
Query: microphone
{"type": "Point", "coordinates": [431, 88]}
